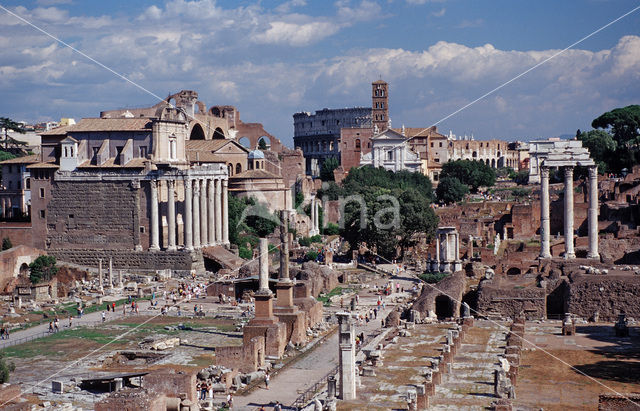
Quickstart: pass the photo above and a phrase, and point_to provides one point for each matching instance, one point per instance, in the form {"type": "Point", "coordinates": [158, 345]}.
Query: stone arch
{"type": "Point", "coordinates": [266, 140]}
{"type": "Point", "coordinates": [245, 142]}
{"type": "Point", "coordinates": [218, 134]}
{"type": "Point", "coordinates": [444, 307]}
{"type": "Point", "coordinates": [238, 168]}
{"type": "Point", "coordinates": [493, 163]}
{"type": "Point", "coordinates": [486, 161]}
{"type": "Point", "coordinates": [475, 154]}
{"type": "Point", "coordinates": [202, 109]}
{"type": "Point", "coordinates": [197, 133]}
{"type": "Point", "coordinates": [24, 270]}
{"type": "Point", "coordinates": [230, 169]}
{"type": "Point", "coordinates": [514, 271]}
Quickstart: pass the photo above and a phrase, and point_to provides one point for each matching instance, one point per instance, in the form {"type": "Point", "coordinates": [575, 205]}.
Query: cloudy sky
{"type": "Point", "coordinates": [273, 58]}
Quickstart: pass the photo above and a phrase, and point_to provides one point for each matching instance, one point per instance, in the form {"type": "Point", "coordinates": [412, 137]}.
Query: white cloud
{"type": "Point", "coordinates": [288, 5]}
{"type": "Point", "coordinates": [439, 13]}
{"type": "Point", "coordinates": [281, 32]}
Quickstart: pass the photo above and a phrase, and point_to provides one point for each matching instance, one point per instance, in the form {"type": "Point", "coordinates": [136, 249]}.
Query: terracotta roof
{"type": "Point", "coordinates": [43, 165]}
{"type": "Point", "coordinates": [205, 150]}
{"type": "Point", "coordinates": [212, 145]}
{"type": "Point", "coordinates": [103, 124]}
{"type": "Point", "coordinates": [380, 82]}
{"type": "Point", "coordinates": [419, 132]}
{"type": "Point", "coordinates": [254, 174]}
{"type": "Point", "coordinates": [33, 158]}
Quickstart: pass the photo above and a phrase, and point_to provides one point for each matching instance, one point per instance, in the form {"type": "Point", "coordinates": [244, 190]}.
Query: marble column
{"type": "Point", "coordinates": [100, 287]}
{"type": "Point", "coordinates": [110, 272]}
{"type": "Point", "coordinates": [211, 211]}
{"type": "Point", "coordinates": [438, 248]}
{"type": "Point", "coordinates": [284, 245]}
{"type": "Point", "coordinates": [171, 214]}
{"type": "Point", "coordinates": [568, 213]}
{"type": "Point", "coordinates": [155, 234]}
{"type": "Point", "coordinates": [317, 216]}
{"type": "Point", "coordinates": [593, 213]}
{"type": "Point", "coordinates": [346, 357]}
{"type": "Point", "coordinates": [545, 226]}
{"type": "Point", "coordinates": [196, 213]}
{"type": "Point", "coordinates": [312, 208]}
{"type": "Point", "coordinates": [188, 216]}
{"type": "Point", "coordinates": [263, 264]}
{"type": "Point", "coordinates": [204, 232]}
{"type": "Point", "coordinates": [218, 211]}
{"type": "Point", "coordinates": [225, 212]}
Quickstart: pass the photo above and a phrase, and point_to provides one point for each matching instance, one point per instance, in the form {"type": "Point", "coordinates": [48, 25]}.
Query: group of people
{"type": "Point", "coordinates": [54, 326]}
{"type": "Point", "coordinates": [4, 332]}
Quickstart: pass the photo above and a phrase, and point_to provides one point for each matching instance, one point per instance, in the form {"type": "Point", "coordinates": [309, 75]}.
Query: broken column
{"type": "Point", "coordinates": [448, 249]}
{"type": "Point", "coordinates": [621, 327]}
{"type": "Point", "coordinates": [568, 325]}
{"type": "Point", "coordinates": [100, 287]}
{"type": "Point", "coordinates": [110, 272]}
{"type": "Point", "coordinates": [346, 357]}
{"type": "Point", "coordinates": [285, 310]}
{"type": "Point", "coordinates": [265, 324]}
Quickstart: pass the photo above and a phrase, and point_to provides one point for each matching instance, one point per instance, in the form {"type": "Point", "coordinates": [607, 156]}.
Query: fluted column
{"type": "Point", "coordinates": [196, 213]}
{"type": "Point", "coordinates": [203, 213]}
{"type": "Point", "coordinates": [211, 214]}
{"type": "Point", "coordinates": [171, 214]}
{"type": "Point", "coordinates": [225, 212]}
{"type": "Point", "coordinates": [188, 215]}
{"type": "Point", "coordinates": [593, 213]}
{"type": "Point", "coordinates": [545, 227]}
{"type": "Point", "coordinates": [155, 237]}
{"type": "Point", "coordinates": [218, 210]}
{"type": "Point", "coordinates": [568, 213]}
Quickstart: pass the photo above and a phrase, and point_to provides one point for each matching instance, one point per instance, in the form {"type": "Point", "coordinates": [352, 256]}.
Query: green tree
{"type": "Point", "coordinates": [416, 216]}
{"type": "Point", "coordinates": [6, 243]}
{"type": "Point", "coordinates": [332, 229]}
{"type": "Point", "coordinates": [5, 369]}
{"type": "Point", "coordinates": [451, 190]}
{"type": "Point", "coordinates": [262, 145]}
{"type": "Point", "coordinates": [43, 268]}
{"type": "Point", "coordinates": [7, 124]}
{"type": "Point", "coordinates": [299, 199]}
{"type": "Point", "coordinates": [472, 173]}
{"type": "Point", "coordinates": [326, 171]}
{"type": "Point", "coordinates": [602, 147]}
{"type": "Point", "coordinates": [259, 220]}
{"type": "Point", "coordinates": [624, 124]}
{"type": "Point", "coordinates": [236, 221]}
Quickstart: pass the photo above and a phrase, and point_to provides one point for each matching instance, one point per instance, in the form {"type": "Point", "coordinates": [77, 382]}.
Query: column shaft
{"type": "Point", "coordinates": [593, 213]}
{"type": "Point", "coordinates": [568, 213]}
{"type": "Point", "coordinates": [155, 235]}
{"type": "Point", "coordinates": [225, 212]}
{"type": "Point", "coordinates": [218, 211]}
{"type": "Point", "coordinates": [545, 227]}
{"type": "Point", "coordinates": [203, 213]}
{"type": "Point", "coordinates": [196, 213]}
{"type": "Point", "coordinates": [188, 215]}
{"type": "Point", "coordinates": [171, 214]}
{"type": "Point", "coordinates": [211, 221]}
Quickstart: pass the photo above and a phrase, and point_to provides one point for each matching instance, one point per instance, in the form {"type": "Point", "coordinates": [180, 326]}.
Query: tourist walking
{"type": "Point", "coordinates": [104, 316]}
{"type": "Point", "coordinates": [266, 380]}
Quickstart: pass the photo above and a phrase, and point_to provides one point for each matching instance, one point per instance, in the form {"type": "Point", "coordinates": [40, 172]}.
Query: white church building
{"type": "Point", "coordinates": [390, 149]}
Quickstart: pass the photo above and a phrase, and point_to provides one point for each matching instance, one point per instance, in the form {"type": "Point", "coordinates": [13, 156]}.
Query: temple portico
{"type": "Point", "coordinates": [203, 209]}
{"type": "Point", "coordinates": [566, 158]}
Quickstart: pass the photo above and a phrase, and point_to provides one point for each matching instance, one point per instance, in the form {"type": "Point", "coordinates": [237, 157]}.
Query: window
{"type": "Point", "coordinates": [432, 145]}
{"type": "Point", "coordinates": [381, 105]}
{"type": "Point", "coordinates": [437, 160]}
{"type": "Point", "coordinates": [28, 183]}
{"type": "Point", "coordinates": [42, 213]}
{"type": "Point", "coordinates": [358, 144]}
{"type": "Point", "coordinates": [143, 151]}
{"type": "Point", "coordinates": [173, 148]}
{"type": "Point", "coordinates": [440, 144]}
{"type": "Point", "coordinates": [390, 155]}
{"type": "Point", "coordinates": [141, 229]}
{"type": "Point", "coordinates": [41, 192]}
{"type": "Point", "coordinates": [238, 168]}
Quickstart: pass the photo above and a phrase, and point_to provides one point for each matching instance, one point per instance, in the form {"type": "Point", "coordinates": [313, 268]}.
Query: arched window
{"type": "Point", "coordinates": [238, 168]}
{"type": "Point", "coordinates": [357, 144]}
{"type": "Point", "coordinates": [230, 169]}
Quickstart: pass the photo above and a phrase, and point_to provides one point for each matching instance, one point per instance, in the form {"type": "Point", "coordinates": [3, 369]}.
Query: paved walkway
{"type": "Point", "coordinates": [288, 384]}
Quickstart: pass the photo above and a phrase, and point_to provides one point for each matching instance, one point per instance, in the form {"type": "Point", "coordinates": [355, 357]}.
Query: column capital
{"type": "Point", "coordinates": [544, 171]}
{"type": "Point", "coordinates": [593, 171]}
{"type": "Point", "coordinates": [568, 171]}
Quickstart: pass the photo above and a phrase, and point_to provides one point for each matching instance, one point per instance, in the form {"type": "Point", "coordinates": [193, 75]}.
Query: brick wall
{"type": "Point", "coordinates": [18, 233]}
{"type": "Point", "coordinates": [127, 259]}
{"type": "Point", "coordinates": [607, 294]}
{"type": "Point", "coordinates": [172, 384]}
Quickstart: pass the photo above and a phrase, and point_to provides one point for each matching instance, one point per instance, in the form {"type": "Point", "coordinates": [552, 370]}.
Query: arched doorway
{"type": "Point", "coordinates": [245, 142]}
{"type": "Point", "coordinates": [444, 307]}
{"type": "Point", "coordinates": [218, 134]}
{"type": "Point", "coordinates": [514, 271]}
{"type": "Point", "coordinates": [238, 168]}
{"type": "Point", "coordinates": [24, 270]}
{"type": "Point", "coordinates": [196, 133]}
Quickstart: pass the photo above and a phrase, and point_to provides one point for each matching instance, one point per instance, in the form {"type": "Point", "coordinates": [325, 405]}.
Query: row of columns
{"type": "Point", "coordinates": [205, 213]}
{"type": "Point", "coordinates": [545, 225]}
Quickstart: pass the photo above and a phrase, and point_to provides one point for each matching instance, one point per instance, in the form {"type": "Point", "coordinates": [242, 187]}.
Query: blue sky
{"type": "Point", "coordinates": [273, 58]}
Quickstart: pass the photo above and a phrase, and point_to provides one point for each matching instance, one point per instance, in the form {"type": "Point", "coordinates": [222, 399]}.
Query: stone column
{"type": "Point", "coordinates": [211, 214]}
{"type": "Point", "coordinates": [568, 213]}
{"type": "Point", "coordinates": [346, 357]}
{"type": "Point", "coordinates": [4, 208]}
{"type": "Point", "coordinates": [438, 250]}
{"type": "Point", "coordinates": [284, 245]}
{"type": "Point", "coordinates": [312, 208]}
{"type": "Point", "coordinates": [470, 247]}
{"type": "Point", "coordinates": [263, 264]}
{"type": "Point", "coordinates": [155, 235]}
{"type": "Point", "coordinates": [545, 226]}
{"type": "Point", "coordinates": [100, 287]}
{"type": "Point", "coordinates": [225, 212]}
{"type": "Point", "coordinates": [196, 214]}
{"type": "Point", "coordinates": [110, 272]}
{"type": "Point", "coordinates": [593, 213]}
{"type": "Point", "coordinates": [188, 216]}
{"type": "Point", "coordinates": [316, 222]}
{"type": "Point", "coordinates": [218, 210]}
{"type": "Point", "coordinates": [171, 214]}
{"type": "Point", "coordinates": [204, 231]}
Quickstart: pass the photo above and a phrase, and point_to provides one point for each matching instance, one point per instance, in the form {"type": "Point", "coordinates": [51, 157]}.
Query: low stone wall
{"type": "Point", "coordinates": [510, 302]}
{"type": "Point", "coordinates": [606, 294]}
{"type": "Point", "coordinates": [128, 259]}
{"type": "Point", "coordinates": [611, 402]}
{"type": "Point", "coordinates": [172, 384]}
{"type": "Point", "coordinates": [18, 233]}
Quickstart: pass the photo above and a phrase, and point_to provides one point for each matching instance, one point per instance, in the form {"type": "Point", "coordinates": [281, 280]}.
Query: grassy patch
{"type": "Point", "coordinates": [325, 298]}
{"type": "Point", "coordinates": [432, 278]}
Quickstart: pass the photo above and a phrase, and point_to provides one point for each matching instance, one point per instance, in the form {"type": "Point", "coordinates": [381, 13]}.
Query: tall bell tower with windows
{"type": "Point", "coordinates": [380, 105]}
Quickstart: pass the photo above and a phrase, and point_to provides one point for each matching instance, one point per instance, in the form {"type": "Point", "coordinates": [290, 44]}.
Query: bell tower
{"type": "Point", "coordinates": [380, 104]}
